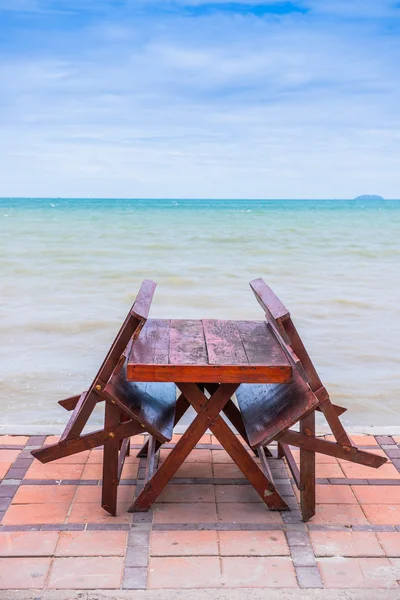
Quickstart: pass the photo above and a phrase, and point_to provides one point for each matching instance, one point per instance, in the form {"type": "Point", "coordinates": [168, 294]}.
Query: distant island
{"type": "Point", "coordinates": [368, 197]}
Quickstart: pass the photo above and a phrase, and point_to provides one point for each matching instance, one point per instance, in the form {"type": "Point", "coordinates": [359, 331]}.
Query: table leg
{"type": "Point", "coordinates": [112, 417]}
{"type": "Point", "coordinates": [208, 411]}
{"type": "Point", "coordinates": [263, 486]}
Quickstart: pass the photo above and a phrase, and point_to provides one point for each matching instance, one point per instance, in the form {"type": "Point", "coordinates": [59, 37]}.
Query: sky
{"type": "Point", "coordinates": [199, 98]}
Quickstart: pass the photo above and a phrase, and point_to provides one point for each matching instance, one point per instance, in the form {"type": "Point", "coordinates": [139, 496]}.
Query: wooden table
{"type": "Point", "coordinates": [214, 356]}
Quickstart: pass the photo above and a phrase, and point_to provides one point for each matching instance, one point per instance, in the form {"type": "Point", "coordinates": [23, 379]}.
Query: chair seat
{"type": "Point", "coordinates": [270, 409]}
{"type": "Point", "coordinates": [151, 404]}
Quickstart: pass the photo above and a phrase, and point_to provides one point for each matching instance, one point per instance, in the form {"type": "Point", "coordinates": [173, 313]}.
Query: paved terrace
{"type": "Point", "coordinates": [208, 530]}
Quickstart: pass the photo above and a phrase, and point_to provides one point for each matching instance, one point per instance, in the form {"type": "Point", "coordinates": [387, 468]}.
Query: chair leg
{"type": "Point", "coordinates": [110, 461]}
{"type": "Point", "coordinates": [307, 470]}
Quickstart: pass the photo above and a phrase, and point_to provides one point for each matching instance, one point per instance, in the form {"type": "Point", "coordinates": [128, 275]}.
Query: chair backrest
{"type": "Point", "coordinates": [279, 320]}
{"type": "Point", "coordinates": [130, 329]}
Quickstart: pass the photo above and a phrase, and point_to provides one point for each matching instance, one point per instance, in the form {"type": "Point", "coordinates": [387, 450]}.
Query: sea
{"type": "Point", "coordinates": [70, 269]}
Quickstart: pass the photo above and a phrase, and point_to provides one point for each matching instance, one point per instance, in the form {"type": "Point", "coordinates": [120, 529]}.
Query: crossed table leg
{"type": "Point", "coordinates": [208, 417]}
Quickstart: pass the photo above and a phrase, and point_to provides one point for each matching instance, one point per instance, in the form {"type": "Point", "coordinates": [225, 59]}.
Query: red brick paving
{"type": "Point", "coordinates": [184, 572]}
{"type": "Point", "coordinates": [23, 573]}
{"type": "Point", "coordinates": [91, 543]}
{"type": "Point", "coordinates": [255, 571]}
{"type": "Point", "coordinates": [244, 544]}
{"type": "Point", "coordinates": [184, 543]}
{"type": "Point", "coordinates": [346, 543]}
{"type": "Point", "coordinates": [28, 543]}
{"type": "Point", "coordinates": [253, 543]}
{"type": "Point", "coordinates": [86, 573]}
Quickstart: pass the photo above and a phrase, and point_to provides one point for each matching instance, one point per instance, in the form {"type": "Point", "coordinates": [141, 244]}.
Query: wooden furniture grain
{"type": "Point", "coordinates": [208, 357]}
{"type": "Point", "coordinates": [268, 411]}
{"type": "Point", "coordinates": [130, 407]}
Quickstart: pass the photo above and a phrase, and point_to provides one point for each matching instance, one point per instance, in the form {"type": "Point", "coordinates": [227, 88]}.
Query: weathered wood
{"type": "Point", "coordinates": [207, 351]}
{"type": "Point", "coordinates": [264, 463]}
{"type": "Point", "coordinates": [151, 461]}
{"type": "Point", "coordinates": [224, 345]}
{"type": "Point", "coordinates": [141, 306]}
{"type": "Point", "coordinates": [260, 346]}
{"type": "Point", "coordinates": [294, 469]}
{"type": "Point", "coordinates": [267, 410]}
{"type": "Point", "coordinates": [209, 373]}
{"type": "Point", "coordinates": [152, 347]}
{"type": "Point", "coordinates": [187, 343]}
{"type": "Point", "coordinates": [264, 487]}
{"type": "Point", "coordinates": [129, 331]}
{"type": "Point", "coordinates": [66, 434]}
{"type": "Point", "coordinates": [85, 442]}
{"type": "Point", "coordinates": [110, 479]}
{"type": "Point", "coordinates": [181, 407]}
{"type": "Point", "coordinates": [71, 402]}
{"type": "Point", "coordinates": [333, 420]}
{"type": "Point", "coordinates": [123, 453]}
{"type": "Point", "coordinates": [307, 469]}
{"type": "Point", "coordinates": [152, 404]}
{"type": "Point", "coordinates": [351, 454]}
{"type": "Point", "coordinates": [186, 443]}
{"type": "Point", "coordinates": [299, 348]}
{"type": "Point", "coordinates": [269, 301]}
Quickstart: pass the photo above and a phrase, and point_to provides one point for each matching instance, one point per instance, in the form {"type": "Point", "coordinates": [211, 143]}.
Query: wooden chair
{"type": "Point", "coordinates": [268, 411]}
{"type": "Point", "coordinates": [130, 408]}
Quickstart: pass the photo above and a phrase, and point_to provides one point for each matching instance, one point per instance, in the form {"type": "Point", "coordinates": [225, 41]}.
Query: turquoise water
{"type": "Point", "coordinates": [71, 268]}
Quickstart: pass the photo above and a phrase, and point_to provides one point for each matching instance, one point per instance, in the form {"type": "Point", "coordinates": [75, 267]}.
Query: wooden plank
{"type": "Point", "coordinates": [85, 442]}
{"type": "Point", "coordinates": [152, 404]}
{"type": "Point", "coordinates": [259, 344]}
{"type": "Point", "coordinates": [151, 460]}
{"type": "Point", "coordinates": [152, 347]}
{"type": "Point", "coordinates": [224, 345]}
{"type": "Point", "coordinates": [141, 306]}
{"type": "Point", "coordinates": [334, 423]}
{"type": "Point", "coordinates": [187, 343]}
{"type": "Point", "coordinates": [129, 330]}
{"type": "Point", "coordinates": [209, 373]}
{"type": "Point", "coordinates": [267, 410]}
{"type": "Point", "coordinates": [79, 407]}
{"type": "Point", "coordinates": [71, 402]}
{"type": "Point", "coordinates": [331, 449]}
{"type": "Point", "coordinates": [268, 300]}
{"type": "Point", "coordinates": [123, 453]}
{"type": "Point", "coordinates": [294, 469]}
{"type": "Point", "coordinates": [307, 469]}
{"type": "Point", "coordinates": [264, 463]}
{"type": "Point", "coordinates": [300, 350]}
{"type": "Point", "coordinates": [110, 477]}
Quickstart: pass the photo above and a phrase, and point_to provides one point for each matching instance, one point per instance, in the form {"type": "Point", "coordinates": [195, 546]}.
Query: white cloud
{"type": "Point", "coordinates": [223, 105]}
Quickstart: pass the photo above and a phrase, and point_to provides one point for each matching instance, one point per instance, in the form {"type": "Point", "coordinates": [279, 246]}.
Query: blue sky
{"type": "Point", "coordinates": [193, 98]}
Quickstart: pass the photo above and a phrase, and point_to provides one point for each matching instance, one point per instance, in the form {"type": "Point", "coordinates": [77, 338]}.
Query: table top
{"type": "Point", "coordinates": [207, 351]}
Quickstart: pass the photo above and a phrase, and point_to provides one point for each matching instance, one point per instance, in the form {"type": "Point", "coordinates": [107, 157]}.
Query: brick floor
{"type": "Point", "coordinates": [184, 543]}
{"type": "Point", "coordinates": [253, 543]}
{"type": "Point", "coordinates": [346, 543]}
{"type": "Point", "coordinates": [254, 571]}
{"type": "Point", "coordinates": [91, 543]}
{"type": "Point", "coordinates": [86, 573]}
{"type": "Point", "coordinates": [390, 542]}
{"type": "Point", "coordinates": [28, 543]}
{"type": "Point", "coordinates": [23, 573]}
{"type": "Point", "coordinates": [209, 528]}
{"type": "Point", "coordinates": [184, 572]}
